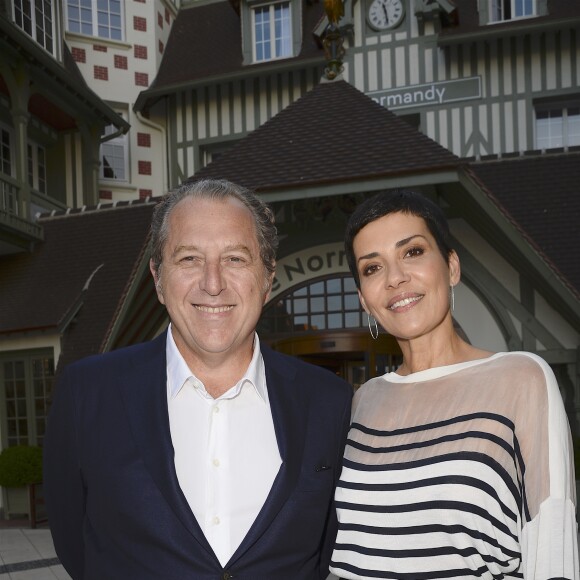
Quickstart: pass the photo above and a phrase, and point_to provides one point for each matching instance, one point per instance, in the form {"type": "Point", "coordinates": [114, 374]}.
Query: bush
{"type": "Point", "coordinates": [20, 466]}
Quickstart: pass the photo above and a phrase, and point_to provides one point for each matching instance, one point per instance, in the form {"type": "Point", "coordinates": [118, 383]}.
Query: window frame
{"type": "Point", "coordinates": [17, 7]}
{"type": "Point", "coordinates": [120, 141]}
{"type": "Point", "coordinates": [512, 5]}
{"type": "Point", "coordinates": [314, 306]}
{"type": "Point", "coordinates": [272, 41]}
{"type": "Point", "coordinates": [247, 14]}
{"type": "Point", "coordinates": [6, 130]}
{"type": "Point", "coordinates": [34, 430]}
{"type": "Point", "coordinates": [94, 19]}
{"type": "Point", "coordinates": [36, 168]}
{"type": "Point", "coordinates": [564, 108]}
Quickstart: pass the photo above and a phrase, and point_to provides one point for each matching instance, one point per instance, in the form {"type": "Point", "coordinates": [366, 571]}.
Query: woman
{"type": "Point", "coordinates": [458, 465]}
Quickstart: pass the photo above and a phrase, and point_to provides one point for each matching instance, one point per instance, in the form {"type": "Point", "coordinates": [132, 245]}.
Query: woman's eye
{"type": "Point", "coordinates": [369, 270]}
{"type": "Point", "coordinates": [413, 252]}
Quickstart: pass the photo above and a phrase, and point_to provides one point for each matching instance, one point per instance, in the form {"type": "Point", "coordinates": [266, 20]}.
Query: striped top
{"type": "Point", "coordinates": [462, 471]}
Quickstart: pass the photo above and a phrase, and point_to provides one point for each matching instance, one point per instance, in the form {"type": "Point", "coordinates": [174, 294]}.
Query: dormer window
{"type": "Point", "coordinates": [36, 19]}
{"type": "Point", "coordinates": [272, 31]}
{"type": "Point", "coordinates": [502, 10]}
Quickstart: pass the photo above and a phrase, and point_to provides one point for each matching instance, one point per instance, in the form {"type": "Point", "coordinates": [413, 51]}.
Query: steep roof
{"type": "Point", "coordinates": [206, 41]}
{"type": "Point", "coordinates": [334, 133]}
{"type": "Point", "coordinates": [548, 216]}
{"type": "Point", "coordinates": [83, 267]}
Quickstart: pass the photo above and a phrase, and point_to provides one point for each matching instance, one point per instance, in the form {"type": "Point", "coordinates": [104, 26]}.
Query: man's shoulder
{"type": "Point", "coordinates": [121, 357]}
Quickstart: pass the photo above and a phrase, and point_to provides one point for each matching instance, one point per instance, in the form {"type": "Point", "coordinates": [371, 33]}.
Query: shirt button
{"type": "Point", "coordinates": [227, 576]}
{"type": "Point", "coordinates": [216, 462]}
{"type": "Point", "coordinates": [216, 409]}
{"type": "Point", "coordinates": [216, 521]}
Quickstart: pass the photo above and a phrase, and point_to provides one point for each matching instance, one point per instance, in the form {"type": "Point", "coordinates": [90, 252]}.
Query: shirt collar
{"type": "Point", "coordinates": [178, 373]}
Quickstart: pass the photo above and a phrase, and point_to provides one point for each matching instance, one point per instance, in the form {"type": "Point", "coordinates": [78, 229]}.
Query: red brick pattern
{"type": "Point", "coordinates": [139, 23]}
{"type": "Point", "coordinates": [144, 139]}
{"type": "Point", "coordinates": [159, 20]}
{"type": "Point", "coordinates": [121, 62]}
{"type": "Point", "coordinates": [79, 54]}
{"type": "Point", "coordinates": [141, 79]}
{"type": "Point", "coordinates": [140, 51]}
{"type": "Point", "coordinates": [105, 194]}
{"type": "Point", "coordinates": [143, 193]}
{"type": "Point", "coordinates": [144, 167]}
{"type": "Point", "coordinates": [99, 48]}
{"type": "Point", "coordinates": [101, 73]}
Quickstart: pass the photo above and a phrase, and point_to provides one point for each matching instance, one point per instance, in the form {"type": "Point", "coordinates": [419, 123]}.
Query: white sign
{"type": "Point", "coordinates": [429, 94]}
{"type": "Point", "coordinates": [308, 264]}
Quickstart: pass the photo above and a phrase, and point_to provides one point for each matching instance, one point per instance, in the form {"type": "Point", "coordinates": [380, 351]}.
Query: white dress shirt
{"type": "Point", "coordinates": [226, 453]}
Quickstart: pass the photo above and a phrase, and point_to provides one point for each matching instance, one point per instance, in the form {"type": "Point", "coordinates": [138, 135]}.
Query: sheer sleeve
{"type": "Point", "coordinates": [549, 537]}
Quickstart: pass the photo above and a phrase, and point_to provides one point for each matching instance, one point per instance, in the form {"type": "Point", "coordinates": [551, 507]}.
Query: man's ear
{"type": "Point", "coordinates": [156, 280]}
{"type": "Point", "coordinates": [268, 288]}
{"type": "Point", "coordinates": [454, 269]}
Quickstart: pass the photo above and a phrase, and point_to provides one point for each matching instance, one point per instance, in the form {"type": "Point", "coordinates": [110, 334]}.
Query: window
{"type": "Point", "coordinates": [26, 382]}
{"type": "Point", "coordinates": [102, 18]}
{"type": "Point", "coordinates": [329, 304]}
{"type": "Point", "coordinates": [114, 153]}
{"type": "Point", "coordinates": [37, 167]}
{"type": "Point", "coordinates": [557, 127]}
{"type": "Point", "coordinates": [5, 151]}
{"type": "Point", "coordinates": [35, 17]}
{"type": "Point", "coordinates": [501, 10]}
{"type": "Point", "coordinates": [272, 31]}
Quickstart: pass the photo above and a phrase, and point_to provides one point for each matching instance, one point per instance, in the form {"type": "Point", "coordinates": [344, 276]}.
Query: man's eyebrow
{"type": "Point", "coordinates": [184, 248]}
{"type": "Point", "coordinates": [232, 248]}
{"type": "Point", "coordinates": [399, 244]}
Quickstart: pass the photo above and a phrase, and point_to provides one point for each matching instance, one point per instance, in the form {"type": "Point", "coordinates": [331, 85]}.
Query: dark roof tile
{"type": "Point", "coordinates": [93, 249]}
{"type": "Point", "coordinates": [548, 215]}
{"type": "Point", "coordinates": [333, 133]}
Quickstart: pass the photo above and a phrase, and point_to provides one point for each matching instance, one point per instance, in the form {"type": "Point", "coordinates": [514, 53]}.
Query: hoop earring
{"type": "Point", "coordinates": [375, 335]}
{"type": "Point", "coordinates": [452, 300]}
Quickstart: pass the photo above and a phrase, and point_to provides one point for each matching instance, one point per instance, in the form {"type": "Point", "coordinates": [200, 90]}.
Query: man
{"type": "Point", "coordinates": [201, 454]}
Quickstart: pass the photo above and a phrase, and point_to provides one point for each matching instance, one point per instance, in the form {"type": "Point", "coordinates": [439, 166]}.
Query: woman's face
{"type": "Point", "coordinates": [404, 280]}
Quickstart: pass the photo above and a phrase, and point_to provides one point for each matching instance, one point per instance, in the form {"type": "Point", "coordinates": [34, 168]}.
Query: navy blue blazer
{"type": "Point", "coordinates": [115, 507]}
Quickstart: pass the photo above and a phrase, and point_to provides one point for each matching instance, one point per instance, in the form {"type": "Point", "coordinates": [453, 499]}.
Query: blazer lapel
{"type": "Point", "coordinates": [146, 406]}
{"type": "Point", "coordinates": [290, 428]}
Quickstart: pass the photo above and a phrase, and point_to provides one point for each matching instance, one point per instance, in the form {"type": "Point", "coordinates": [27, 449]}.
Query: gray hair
{"type": "Point", "coordinates": [215, 189]}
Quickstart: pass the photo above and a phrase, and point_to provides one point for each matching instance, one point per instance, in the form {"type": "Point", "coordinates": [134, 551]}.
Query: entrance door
{"type": "Point", "coordinates": [352, 355]}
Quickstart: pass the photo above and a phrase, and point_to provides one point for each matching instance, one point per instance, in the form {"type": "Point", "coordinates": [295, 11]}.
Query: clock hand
{"type": "Point", "coordinates": [386, 12]}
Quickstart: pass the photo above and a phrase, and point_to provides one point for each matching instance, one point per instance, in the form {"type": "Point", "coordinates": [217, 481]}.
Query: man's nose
{"type": "Point", "coordinates": [212, 280]}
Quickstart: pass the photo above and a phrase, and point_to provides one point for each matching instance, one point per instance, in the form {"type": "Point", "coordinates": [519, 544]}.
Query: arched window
{"type": "Point", "coordinates": [321, 304]}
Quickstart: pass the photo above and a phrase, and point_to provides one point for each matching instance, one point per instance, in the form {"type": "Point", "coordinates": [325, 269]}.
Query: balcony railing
{"type": "Point", "coordinates": [12, 225]}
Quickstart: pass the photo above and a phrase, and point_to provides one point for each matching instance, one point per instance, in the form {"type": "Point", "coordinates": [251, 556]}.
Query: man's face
{"type": "Point", "coordinates": [212, 279]}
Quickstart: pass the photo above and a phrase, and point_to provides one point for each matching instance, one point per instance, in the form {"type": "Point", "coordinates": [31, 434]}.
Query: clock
{"type": "Point", "coordinates": [385, 14]}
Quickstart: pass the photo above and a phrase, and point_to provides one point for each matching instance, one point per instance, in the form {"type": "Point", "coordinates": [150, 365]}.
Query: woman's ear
{"type": "Point", "coordinates": [362, 302]}
{"type": "Point", "coordinates": [454, 268]}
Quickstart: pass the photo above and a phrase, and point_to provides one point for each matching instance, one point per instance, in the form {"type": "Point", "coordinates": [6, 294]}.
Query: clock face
{"type": "Point", "coordinates": [385, 14]}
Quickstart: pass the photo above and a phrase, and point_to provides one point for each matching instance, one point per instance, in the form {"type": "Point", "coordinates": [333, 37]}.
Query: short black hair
{"type": "Point", "coordinates": [394, 201]}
